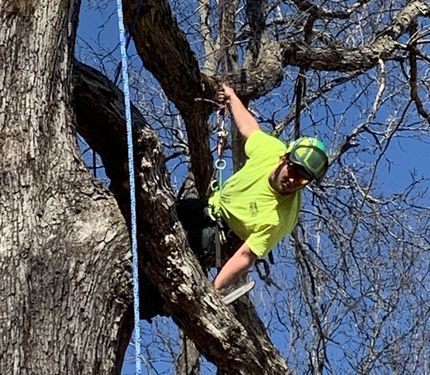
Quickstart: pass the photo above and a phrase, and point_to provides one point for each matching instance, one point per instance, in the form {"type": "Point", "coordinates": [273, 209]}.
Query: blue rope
{"type": "Point", "coordinates": [132, 184]}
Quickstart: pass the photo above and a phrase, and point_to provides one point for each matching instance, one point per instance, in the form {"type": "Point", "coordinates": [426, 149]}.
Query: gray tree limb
{"type": "Point", "coordinates": [339, 58]}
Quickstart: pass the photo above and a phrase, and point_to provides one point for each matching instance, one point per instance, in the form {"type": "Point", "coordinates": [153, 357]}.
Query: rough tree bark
{"type": "Point", "coordinates": [64, 259]}
{"type": "Point", "coordinates": [100, 120]}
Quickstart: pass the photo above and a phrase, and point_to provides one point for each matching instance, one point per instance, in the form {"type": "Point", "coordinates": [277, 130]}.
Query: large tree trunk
{"type": "Point", "coordinates": [64, 259]}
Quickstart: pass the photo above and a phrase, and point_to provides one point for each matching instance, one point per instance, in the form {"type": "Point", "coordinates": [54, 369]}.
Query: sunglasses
{"type": "Point", "coordinates": [299, 173]}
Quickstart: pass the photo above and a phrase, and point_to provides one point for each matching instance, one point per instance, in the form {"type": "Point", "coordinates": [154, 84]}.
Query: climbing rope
{"type": "Point", "coordinates": [124, 69]}
{"type": "Point", "coordinates": [220, 126]}
{"type": "Point", "coordinates": [222, 135]}
{"type": "Point", "coordinates": [217, 181]}
{"type": "Point", "coordinates": [221, 144]}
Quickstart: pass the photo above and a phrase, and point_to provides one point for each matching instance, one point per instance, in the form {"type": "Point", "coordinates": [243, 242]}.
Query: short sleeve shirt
{"type": "Point", "coordinates": [254, 211]}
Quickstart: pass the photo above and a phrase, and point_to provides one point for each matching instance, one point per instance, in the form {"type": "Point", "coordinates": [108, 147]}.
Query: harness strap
{"type": "Point", "coordinates": [220, 239]}
{"type": "Point", "coordinates": [217, 246]}
{"type": "Point", "coordinates": [271, 259]}
{"type": "Point", "coordinates": [266, 275]}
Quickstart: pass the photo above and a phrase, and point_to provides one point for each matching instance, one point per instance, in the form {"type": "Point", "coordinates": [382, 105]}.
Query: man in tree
{"type": "Point", "coordinates": [261, 202]}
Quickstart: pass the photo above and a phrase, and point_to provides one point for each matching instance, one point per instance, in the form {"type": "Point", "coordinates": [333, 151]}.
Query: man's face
{"type": "Point", "coordinates": [288, 177]}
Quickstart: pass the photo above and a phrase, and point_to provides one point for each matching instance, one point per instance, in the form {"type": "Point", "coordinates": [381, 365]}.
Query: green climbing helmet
{"type": "Point", "coordinates": [309, 153]}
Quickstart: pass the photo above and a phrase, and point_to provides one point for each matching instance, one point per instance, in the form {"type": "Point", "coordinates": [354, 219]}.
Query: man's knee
{"type": "Point", "coordinates": [194, 216]}
{"type": "Point", "coordinates": [193, 212]}
{"type": "Point", "coordinates": [208, 237]}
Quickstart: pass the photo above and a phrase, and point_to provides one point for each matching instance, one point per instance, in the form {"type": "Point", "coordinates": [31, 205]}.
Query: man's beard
{"type": "Point", "coordinates": [274, 179]}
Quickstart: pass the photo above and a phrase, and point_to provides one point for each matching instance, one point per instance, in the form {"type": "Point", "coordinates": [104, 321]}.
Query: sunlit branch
{"type": "Point", "coordinates": [413, 81]}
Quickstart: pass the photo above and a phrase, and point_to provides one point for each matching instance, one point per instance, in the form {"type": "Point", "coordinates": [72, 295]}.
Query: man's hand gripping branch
{"type": "Point", "coordinates": [244, 120]}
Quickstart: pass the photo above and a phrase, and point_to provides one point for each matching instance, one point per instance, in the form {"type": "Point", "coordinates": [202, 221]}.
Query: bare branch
{"type": "Point", "coordinates": [337, 58]}
{"type": "Point", "coordinates": [211, 47]}
{"type": "Point", "coordinates": [321, 12]}
{"type": "Point", "coordinates": [413, 80]}
{"type": "Point", "coordinates": [381, 90]}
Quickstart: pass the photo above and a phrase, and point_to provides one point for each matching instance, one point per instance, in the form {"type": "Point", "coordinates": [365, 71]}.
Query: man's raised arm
{"type": "Point", "coordinates": [245, 122]}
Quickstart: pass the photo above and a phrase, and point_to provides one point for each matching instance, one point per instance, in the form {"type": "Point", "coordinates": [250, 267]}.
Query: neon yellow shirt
{"type": "Point", "coordinates": [253, 210]}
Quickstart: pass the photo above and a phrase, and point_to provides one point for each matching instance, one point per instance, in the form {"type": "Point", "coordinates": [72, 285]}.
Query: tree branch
{"type": "Point", "coordinates": [321, 12]}
{"type": "Point", "coordinates": [340, 59]}
{"type": "Point", "coordinates": [100, 120]}
{"type": "Point", "coordinates": [413, 80]}
{"type": "Point", "coordinates": [210, 46]}
{"type": "Point", "coordinates": [166, 53]}
{"type": "Point", "coordinates": [256, 16]}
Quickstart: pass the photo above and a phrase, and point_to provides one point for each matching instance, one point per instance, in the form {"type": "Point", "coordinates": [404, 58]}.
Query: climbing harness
{"type": "Point", "coordinates": [127, 105]}
{"type": "Point", "coordinates": [266, 275]}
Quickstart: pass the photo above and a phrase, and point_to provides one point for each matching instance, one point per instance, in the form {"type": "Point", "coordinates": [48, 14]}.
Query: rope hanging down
{"type": "Point", "coordinates": [220, 126]}
{"type": "Point", "coordinates": [220, 162]}
{"type": "Point", "coordinates": [217, 183]}
{"type": "Point", "coordinates": [124, 69]}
